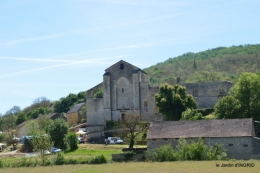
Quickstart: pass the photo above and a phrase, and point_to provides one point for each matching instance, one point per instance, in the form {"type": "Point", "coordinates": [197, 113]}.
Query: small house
{"type": "Point", "coordinates": [76, 114]}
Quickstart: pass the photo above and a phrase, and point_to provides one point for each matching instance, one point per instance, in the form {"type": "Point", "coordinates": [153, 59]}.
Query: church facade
{"type": "Point", "coordinates": [126, 89]}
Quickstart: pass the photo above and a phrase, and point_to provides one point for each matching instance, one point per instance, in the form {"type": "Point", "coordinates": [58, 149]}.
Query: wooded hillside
{"type": "Point", "coordinates": [216, 64]}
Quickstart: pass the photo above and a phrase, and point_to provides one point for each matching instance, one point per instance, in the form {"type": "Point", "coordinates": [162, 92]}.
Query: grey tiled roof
{"type": "Point", "coordinates": [76, 108]}
{"type": "Point", "coordinates": [122, 61]}
{"type": "Point", "coordinates": [201, 128]}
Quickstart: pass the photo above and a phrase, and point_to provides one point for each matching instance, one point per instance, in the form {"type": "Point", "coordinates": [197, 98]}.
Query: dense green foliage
{"type": "Point", "coordinates": [98, 160]}
{"type": "Point", "coordinates": [65, 104]}
{"type": "Point", "coordinates": [243, 101]}
{"type": "Point", "coordinates": [40, 144]}
{"type": "Point", "coordinates": [72, 140]}
{"type": "Point", "coordinates": [188, 150]}
{"type": "Point", "coordinates": [216, 64]}
{"type": "Point", "coordinates": [98, 93]}
{"type": "Point", "coordinates": [227, 107]}
{"type": "Point", "coordinates": [38, 111]}
{"type": "Point", "coordinates": [58, 131]}
{"type": "Point", "coordinates": [173, 100]}
{"type": "Point", "coordinates": [189, 114]}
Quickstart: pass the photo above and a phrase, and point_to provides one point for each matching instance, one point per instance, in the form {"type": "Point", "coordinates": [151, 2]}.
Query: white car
{"type": "Point", "coordinates": [115, 140]}
{"type": "Point", "coordinates": [55, 150]}
{"type": "Point", "coordinates": [47, 152]}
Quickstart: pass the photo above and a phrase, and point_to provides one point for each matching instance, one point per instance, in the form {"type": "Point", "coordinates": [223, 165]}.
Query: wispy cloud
{"type": "Point", "coordinates": [88, 30]}
{"type": "Point", "coordinates": [38, 59]}
{"type": "Point", "coordinates": [91, 61]}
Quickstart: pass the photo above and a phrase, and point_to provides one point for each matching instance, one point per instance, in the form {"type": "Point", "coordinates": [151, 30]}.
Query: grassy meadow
{"type": "Point", "coordinates": [87, 151]}
{"type": "Point", "coordinates": [141, 167]}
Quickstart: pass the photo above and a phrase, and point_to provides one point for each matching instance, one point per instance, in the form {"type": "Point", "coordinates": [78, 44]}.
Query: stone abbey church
{"type": "Point", "coordinates": [127, 89]}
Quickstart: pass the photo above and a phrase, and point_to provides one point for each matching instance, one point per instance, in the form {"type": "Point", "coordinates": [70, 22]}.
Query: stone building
{"type": "Point", "coordinates": [236, 135]}
{"type": "Point", "coordinates": [76, 114]}
{"type": "Point", "coordinates": [126, 88]}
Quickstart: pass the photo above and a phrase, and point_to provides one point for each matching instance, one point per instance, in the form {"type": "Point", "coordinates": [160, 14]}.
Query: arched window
{"type": "Point", "coordinates": [122, 66]}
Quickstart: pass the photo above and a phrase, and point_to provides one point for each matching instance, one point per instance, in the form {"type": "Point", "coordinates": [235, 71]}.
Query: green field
{"type": "Point", "coordinates": [141, 167]}
{"type": "Point", "coordinates": [91, 150]}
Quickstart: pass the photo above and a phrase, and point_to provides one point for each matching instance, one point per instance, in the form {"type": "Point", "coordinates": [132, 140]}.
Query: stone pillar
{"type": "Point", "coordinates": [136, 91]}
{"type": "Point", "coordinates": [107, 96]}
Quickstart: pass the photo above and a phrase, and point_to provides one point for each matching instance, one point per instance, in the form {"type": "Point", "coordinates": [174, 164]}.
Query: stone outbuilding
{"type": "Point", "coordinates": [75, 115]}
{"type": "Point", "coordinates": [236, 135]}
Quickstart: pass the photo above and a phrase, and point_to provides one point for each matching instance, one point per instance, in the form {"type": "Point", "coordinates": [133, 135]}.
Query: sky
{"type": "Point", "coordinates": [53, 48]}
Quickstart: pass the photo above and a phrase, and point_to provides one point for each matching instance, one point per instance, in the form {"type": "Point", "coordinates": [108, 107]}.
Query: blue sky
{"type": "Point", "coordinates": [53, 48]}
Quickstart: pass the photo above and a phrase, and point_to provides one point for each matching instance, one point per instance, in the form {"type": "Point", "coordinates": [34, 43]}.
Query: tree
{"type": "Point", "coordinates": [21, 118]}
{"type": "Point", "coordinates": [13, 111]}
{"type": "Point", "coordinates": [58, 131]}
{"type": "Point", "coordinates": [72, 140]}
{"type": "Point", "coordinates": [227, 107]}
{"type": "Point", "coordinates": [39, 111]}
{"type": "Point", "coordinates": [65, 103]}
{"type": "Point", "coordinates": [41, 144]}
{"type": "Point", "coordinates": [37, 103]}
{"type": "Point", "coordinates": [247, 91]}
{"type": "Point", "coordinates": [11, 139]}
{"type": "Point", "coordinates": [44, 121]}
{"type": "Point", "coordinates": [32, 128]}
{"type": "Point", "coordinates": [173, 100]}
{"type": "Point", "coordinates": [8, 121]}
{"type": "Point", "coordinates": [131, 126]}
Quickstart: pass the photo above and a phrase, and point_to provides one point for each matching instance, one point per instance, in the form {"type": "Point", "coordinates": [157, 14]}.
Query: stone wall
{"type": "Point", "coordinates": [149, 111]}
{"type": "Point", "coordinates": [72, 118]}
{"type": "Point", "coordinates": [95, 111]}
{"type": "Point", "coordinates": [21, 131]}
{"type": "Point", "coordinates": [206, 94]}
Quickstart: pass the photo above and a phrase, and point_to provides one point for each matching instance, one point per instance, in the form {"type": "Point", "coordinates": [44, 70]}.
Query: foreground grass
{"type": "Point", "coordinates": [91, 150]}
{"type": "Point", "coordinates": [141, 167]}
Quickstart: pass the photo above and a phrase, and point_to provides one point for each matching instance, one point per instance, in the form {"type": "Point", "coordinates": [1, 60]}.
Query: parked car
{"type": "Point", "coordinates": [47, 152]}
{"type": "Point", "coordinates": [55, 150]}
{"type": "Point", "coordinates": [80, 139]}
{"type": "Point", "coordinates": [115, 140]}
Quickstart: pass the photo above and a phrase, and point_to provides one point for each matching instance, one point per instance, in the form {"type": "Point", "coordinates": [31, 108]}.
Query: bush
{"type": "Point", "coordinates": [72, 161]}
{"type": "Point", "coordinates": [165, 153]}
{"type": "Point", "coordinates": [216, 153]}
{"type": "Point", "coordinates": [1, 164]}
{"type": "Point", "coordinates": [187, 150]}
{"type": "Point", "coordinates": [72, 140]}
{"type": "Point", "coordinates": [98, 160]}
{"type": "Point", "coordinates": [59, 160]}
{"type": "Point", "coordinates": [128, 155]}
{"type": "Point", "coordinates": [24, 162]}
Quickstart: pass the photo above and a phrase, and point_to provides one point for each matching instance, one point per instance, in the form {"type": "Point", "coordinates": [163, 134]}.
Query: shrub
{"type": "Point", "coordinates": [72, 161]}
{"type": "Point", "coordinates": [216, 153]}
{"type": "Point", "coordinates": [128, 155]}
{"type": "Point", "coordinates": [164, 153]}
{"type": "Point", "coordinates": [187, 150]}
{"type": "Point", "coordinates": [72, 140]}
{"type": "Point", "coordinates": [59, 160]}
{"type": "Point", "coordinates": [98, 160]}
{"type": "Point", "coordinates": [1, 164]}
{"type": "Point", "coordinates": [24, 162]}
